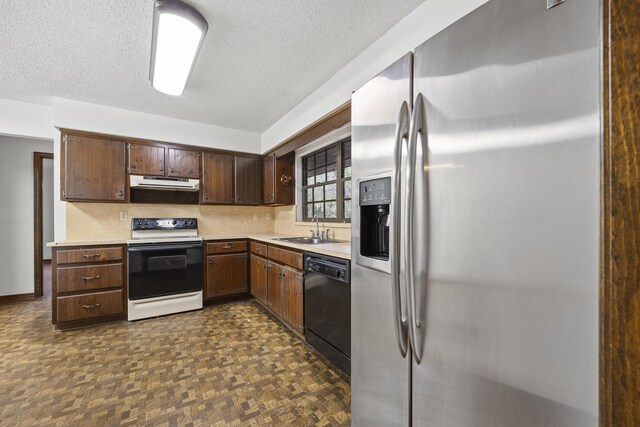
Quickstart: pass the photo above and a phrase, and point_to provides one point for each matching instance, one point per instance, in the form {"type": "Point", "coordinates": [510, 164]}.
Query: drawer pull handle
{"type": "Point", "coordinates": [91, 256]}
{"type": "Point", "coordinates": [90, 306]}
{"type": "Point", "coordinates": [90, 277]}
{"type": "Point", "coordinates": [227, 246]}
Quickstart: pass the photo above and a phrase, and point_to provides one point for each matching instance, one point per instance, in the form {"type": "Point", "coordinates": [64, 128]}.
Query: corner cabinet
{"type": "Point", "coordinates": [277, 281]}
{"type": "Point", "coordinates": [277, 179]}
{"type": "Point", "coordinates": [93, 169]}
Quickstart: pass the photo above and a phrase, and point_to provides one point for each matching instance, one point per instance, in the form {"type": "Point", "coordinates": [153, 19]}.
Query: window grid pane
{"type": "Point", "coordinates": [327, 184]}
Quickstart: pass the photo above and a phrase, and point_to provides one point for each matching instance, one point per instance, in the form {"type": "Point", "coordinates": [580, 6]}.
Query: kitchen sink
{"type": "Point", "coordinates": [307, 240]}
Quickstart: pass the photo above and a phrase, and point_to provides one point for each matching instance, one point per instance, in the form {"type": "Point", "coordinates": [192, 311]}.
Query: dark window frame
{"type": "Point", "coordinates": [339, 181]}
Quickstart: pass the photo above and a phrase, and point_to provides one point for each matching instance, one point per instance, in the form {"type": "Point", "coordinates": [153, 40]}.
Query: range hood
{"type": "Point", "coordinates": [164, 183]}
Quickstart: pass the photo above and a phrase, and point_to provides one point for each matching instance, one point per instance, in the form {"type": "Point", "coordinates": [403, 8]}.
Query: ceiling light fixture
{"type": "Point", "coordinates": [178, 31]}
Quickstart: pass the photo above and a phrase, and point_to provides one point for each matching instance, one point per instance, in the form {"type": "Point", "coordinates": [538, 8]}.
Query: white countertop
{"type": "Point", "coordinates": [340, 250]}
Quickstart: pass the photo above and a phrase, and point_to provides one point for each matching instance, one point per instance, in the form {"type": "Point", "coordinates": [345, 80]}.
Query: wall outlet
{"type": "Point", "coordinates": [268, 216]}
{"type": "Point", "coordinates": [123, 216]}
{"type": "Point", "coordinates": [256, 217]}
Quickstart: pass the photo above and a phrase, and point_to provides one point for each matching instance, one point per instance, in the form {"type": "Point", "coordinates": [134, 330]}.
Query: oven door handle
{"type": "Point", "coordinates": [142, 248]}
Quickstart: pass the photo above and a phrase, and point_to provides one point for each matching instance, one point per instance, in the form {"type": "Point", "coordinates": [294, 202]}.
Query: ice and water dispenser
{"type": "Point", "coordinates": [374, 204]}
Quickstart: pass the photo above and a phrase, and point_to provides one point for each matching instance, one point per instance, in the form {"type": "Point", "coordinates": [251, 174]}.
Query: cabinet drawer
{"type": "Point", "coordinates": [73, 256]}
{"type": "Point", "coordinates": [89, 305]}
{"type": "Point", "coordinates": [70, 279]}
{"type": "Point", "coordinates": [258, 249]}
{"type": "Point", "coordinates": [293, 259]}
{"type": "Point", "coordinates": [226, 247]}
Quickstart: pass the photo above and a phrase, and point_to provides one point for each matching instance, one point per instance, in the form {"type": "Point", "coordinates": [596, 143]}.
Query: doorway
{"type": "Point", "coordinates": [42, 221]}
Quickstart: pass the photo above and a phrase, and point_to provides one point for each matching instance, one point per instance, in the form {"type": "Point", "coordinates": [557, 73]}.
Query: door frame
{"type": "Point", "coordinates": [38, 158]}
{"type": "Point", "coordinates": [620, 215]}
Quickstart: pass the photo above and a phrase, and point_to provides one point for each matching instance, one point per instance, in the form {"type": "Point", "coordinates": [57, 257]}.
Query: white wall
{"type": "Point", "coordinates": [47, 205]}
{"type": "Point", "coordinates": [115, 121]}
{"type": "Point", "coordinates": [428, 19]}
{"type": "Point", "coordinates": [24, 119]}
{"type": "Point", "coordinates": [16, 211]}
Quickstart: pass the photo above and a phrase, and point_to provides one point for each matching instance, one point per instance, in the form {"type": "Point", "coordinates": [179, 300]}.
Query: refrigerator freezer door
{"type": "Point", "coordinates": [510, 307]}
{"type": "Point", "coordinates": [379, 374]}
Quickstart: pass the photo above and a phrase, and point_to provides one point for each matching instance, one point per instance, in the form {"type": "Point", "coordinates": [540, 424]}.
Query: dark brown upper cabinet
{"type": "Point", "coordinates": [248, 177]}
{"type": "Point", "coordinates": [217, 179]}
{"type": "Point", "coordinates": [183, 163]}
{"type": "Point", "coordinates": [277, 179]}
{"type": "Point", "coordinates": [146, 160]}
{"type": "Point", "coordinates": [93, 168]}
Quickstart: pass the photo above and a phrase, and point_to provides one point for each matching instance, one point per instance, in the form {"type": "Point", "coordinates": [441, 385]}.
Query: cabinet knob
{"type": "Point", "coordinates": [120, 192]}
{"type": "Point", "coordinates": [206, 197]}
{"type": "Point", "coordinates": [210, 262]}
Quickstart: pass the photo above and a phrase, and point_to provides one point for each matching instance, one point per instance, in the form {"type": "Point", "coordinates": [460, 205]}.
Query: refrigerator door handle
{"type": "Point", "coordinates": [417, 129]}
{"type": "Point", "coordinates": [398, 255]}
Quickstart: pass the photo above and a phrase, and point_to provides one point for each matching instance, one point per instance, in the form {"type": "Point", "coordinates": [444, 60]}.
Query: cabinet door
{"type": "Point", "coordinates": [226, 275]}
{"type": "Point", "coordinates": [268, 168]}
{"type": "Point", "coordinates": [258, 274]}
{"type": "Point", "coordinates": [183, 163]}
{"type": "Point", "coordinates": [292, 300]}
{"type": "Point", "coordinates": [248, 176]}
{"type": "Point", "coordinates": [217, 178]}
{"type": "Point", "coordinates": [274, 288]}
{"type": "Point", "coordinates": [146, 160]}
{"type": "Point", "coordinates": [93, 169]}
{"type": "Point", "coordinates": [277, 180]}
{"type": "Point", "coordinates": [283, 180]}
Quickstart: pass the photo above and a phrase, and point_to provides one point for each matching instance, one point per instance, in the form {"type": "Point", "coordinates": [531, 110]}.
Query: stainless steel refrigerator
{"type": "Point", "coordinates": [475, 224]}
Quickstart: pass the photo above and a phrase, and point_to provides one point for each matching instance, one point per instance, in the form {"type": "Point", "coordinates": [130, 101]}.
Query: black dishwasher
{"type": "Point", "coordinates": [327, 307]}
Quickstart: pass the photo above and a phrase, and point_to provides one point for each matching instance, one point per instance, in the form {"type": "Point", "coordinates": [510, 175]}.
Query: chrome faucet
{"type": "Point", "coordinates": [315, 219]}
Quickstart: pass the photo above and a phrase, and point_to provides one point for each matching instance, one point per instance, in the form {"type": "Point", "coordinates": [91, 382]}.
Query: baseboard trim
{"type": "Point", "coordinates": [16, 297]}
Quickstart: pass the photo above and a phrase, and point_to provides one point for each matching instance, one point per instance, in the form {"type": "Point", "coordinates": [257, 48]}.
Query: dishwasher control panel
{"type": "Point", "coordinates": [333, 268]}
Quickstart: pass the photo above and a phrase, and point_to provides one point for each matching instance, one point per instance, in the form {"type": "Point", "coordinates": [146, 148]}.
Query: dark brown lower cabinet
{"type": "Point", "coordinates": [292, 298]}
{"type": "Point", "coordinates": [88, 285]}
{"type": "Point", "coordinates": [278, 283]}
{"type": "Point", "coordinates": [274, 288]}
{"type": "Point", "coordinates": [258, 274]}
{"type": "Point", "coordinates": [226, 275]}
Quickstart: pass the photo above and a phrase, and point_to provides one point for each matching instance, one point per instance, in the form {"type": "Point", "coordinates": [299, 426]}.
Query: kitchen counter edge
{"type": "Point", "coordinates": [339, 250]}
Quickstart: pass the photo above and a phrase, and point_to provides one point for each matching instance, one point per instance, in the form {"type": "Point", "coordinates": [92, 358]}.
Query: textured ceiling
{"type": "Point", "coordinates": [259, 58]}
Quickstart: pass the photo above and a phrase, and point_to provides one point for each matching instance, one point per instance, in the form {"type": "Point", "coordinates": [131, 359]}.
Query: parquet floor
{"type": "Point", "coordinates": [229, 364]}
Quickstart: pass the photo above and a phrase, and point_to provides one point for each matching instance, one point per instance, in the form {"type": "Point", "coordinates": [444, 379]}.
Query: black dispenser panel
{"type": "Point", "coordinates": [375, 192]}
{"type": "Point", "coordinates": [375, 200]}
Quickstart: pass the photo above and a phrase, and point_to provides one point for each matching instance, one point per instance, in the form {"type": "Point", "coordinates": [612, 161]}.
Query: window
{"type": "Point", "coordinates": [326, 188]}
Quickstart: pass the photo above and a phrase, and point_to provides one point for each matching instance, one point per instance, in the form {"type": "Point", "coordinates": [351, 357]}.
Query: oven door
{"type": "Point", "coordinates": [164, 269]}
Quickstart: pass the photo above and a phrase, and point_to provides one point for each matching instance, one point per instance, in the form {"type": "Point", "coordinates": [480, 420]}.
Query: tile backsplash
{"type": "Point", "coordinates": [101, 221]}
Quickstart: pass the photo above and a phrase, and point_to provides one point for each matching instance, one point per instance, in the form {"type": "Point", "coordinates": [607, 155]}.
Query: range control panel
{"type": "Point", "coordinates": [375, 192]}
{"type": "Point", "coordinates": [164, 224]}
